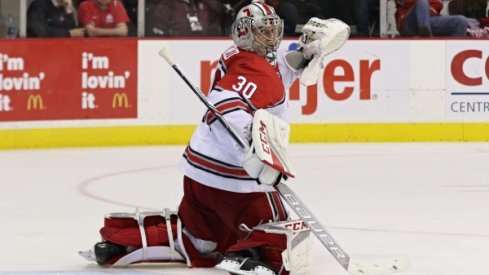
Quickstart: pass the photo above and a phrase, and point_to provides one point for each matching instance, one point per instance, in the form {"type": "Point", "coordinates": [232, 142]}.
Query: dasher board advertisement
{"type": "Point", "coordinates": [364, 81]}
{"type": "Point", "coordinates": [57, 79]}
{"type": "Point", "coordinates": [467, 77]}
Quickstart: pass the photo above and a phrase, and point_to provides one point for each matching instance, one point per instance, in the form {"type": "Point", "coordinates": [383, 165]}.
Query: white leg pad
{"type": "Point", "coordinates": [297, 257]}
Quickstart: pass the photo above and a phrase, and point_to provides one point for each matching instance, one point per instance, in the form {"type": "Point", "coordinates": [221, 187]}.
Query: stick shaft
{"type": "Point", "coordinates": [296, 204]}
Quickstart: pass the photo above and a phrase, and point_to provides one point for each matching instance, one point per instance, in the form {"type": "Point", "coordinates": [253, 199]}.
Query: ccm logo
{"type": "Point", "coordinates": [263, 137]}
{"type": "Point", "coordinates": [458, 65]}
{"type": "Point", "coordinates": [296, 226]}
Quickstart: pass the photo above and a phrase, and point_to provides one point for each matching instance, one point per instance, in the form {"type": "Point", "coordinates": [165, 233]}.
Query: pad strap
{"type": "Point", "coordinates": [152, 253]}
{"type": "Point", "coordinates": [172, 252]}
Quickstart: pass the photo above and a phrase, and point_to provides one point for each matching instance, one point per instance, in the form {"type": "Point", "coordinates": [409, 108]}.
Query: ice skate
{"type": "Point", "coordinates": [245, 266]}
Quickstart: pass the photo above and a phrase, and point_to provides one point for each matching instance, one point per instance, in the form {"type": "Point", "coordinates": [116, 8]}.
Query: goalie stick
{"type": "Point", "coordinates": [296, 204]}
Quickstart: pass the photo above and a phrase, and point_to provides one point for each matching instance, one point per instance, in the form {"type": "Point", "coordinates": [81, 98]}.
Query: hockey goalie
{"type": "Point", "coordinates": [230, 216]}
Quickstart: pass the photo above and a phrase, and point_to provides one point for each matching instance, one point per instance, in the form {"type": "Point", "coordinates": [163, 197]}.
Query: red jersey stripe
{"type": "Point", "coordinates": [215, 166]}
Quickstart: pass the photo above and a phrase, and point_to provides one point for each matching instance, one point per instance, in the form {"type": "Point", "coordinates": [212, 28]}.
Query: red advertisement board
{"type": "Point", "coordinates": [55, 79]}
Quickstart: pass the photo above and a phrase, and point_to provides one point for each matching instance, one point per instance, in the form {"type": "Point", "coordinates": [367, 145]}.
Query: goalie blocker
{"type": "Point", "coordinates": [130, 238]}
{"type": "Point", "coordinates": [268, 159]}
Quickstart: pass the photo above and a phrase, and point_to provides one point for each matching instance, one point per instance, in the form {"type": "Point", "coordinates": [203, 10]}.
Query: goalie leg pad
{"type": "Point", "coordinates": [146, 234]}
{"type": "Point", "coordinates": [130, 238]}
{"type": "Point", "coordinates": [283, 247]}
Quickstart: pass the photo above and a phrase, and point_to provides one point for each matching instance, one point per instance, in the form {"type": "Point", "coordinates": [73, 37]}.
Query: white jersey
{"type": "Point", "coordinates": [243, 83]}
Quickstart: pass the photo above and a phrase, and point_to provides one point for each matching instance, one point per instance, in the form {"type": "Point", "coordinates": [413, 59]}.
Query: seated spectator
{"type": "Point", "coordinates": [365, 11]}
{"type": "Point", "coordinates": [227, 17]}
{"type": "Point", "coordinates": [468, 8]}
{"type": "Point", "coordinates": [52, 18]}
{"type": "Point", "coordinates": [307, 9]}
{"type": "Point", "coordinates": [323, 9]}
{"type": "Point", "coordinates": [131, 7]}
{"type": "Point", "coordinates": [288, 12]}
{"type": "Point", "coordinates": [339, 9]}
{"type": "Point", "coordinates": [183, 18]}
{"type": "Point", "coordinates": [475, 12]}
{"type": "Point", "coordinates": [238, 4]}
{"type": "Point", "coordinates": [422, 18]}
{"type": "Point", "coordinates": [103, 18]}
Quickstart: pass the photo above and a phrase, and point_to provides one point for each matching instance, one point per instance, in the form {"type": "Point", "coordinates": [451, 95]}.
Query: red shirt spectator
{"type": "Point", "coordinates": [403, 7]}
{"type": "Point", "coordinates": [103, 17]}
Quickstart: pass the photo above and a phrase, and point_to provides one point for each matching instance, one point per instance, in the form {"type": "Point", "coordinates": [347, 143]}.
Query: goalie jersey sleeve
{"type": "Point", "coordinates": [243, 83]}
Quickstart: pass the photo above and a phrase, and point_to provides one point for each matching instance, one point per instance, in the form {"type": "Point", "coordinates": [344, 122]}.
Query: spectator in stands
{"type": "Point", "coordinates": [364, 9]}
{"type": "Point", "coordinates": [288, 12]}
{"type": "Point", "coordinates": [339, 9]}
{"type": "Point", "coordinates": [323, 9]}
{"type": "Point", "coordinates": [103, 18]}
{"type": "Point", "coordinates": [422, 18]}
{"type": "Point", "coordinates": [307, 9]}
{"type": "Point", "coordinates": [183, 18]}
{"type": "Point", "coordinates": [131, 7]}
{"type": "Point", "coordinates": [238, 4]}
{"type": "Point", "coordinates": [52, 18]}
{"type": "Point", "coordinates": [228, 14]}
{"type": "Point", "coordinates": [468, 8]}
{"type": "Point", "coordinates": [475, 12]}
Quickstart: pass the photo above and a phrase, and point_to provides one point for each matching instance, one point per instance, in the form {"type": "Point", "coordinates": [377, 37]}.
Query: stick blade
{"type": "Point", "coordinates": [387, 266]}
{"type": "Point", "coordinates": [166, 55]}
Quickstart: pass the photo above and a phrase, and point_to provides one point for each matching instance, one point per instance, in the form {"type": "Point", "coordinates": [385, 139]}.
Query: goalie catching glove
{"type": "Point", "coordinates": [319, 38]}
{"type": "Point", "coordinates": [267, 159]}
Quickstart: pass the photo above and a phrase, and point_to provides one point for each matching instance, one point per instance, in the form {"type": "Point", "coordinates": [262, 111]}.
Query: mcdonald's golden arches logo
{"type": "Point", "coordinates": [120, 100]}
{"type": "Point", "coordinates": [35, 102]}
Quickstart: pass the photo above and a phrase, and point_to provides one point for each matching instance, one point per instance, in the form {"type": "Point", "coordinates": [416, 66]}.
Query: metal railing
{"type": "Point", "coordinates": [387, 10]}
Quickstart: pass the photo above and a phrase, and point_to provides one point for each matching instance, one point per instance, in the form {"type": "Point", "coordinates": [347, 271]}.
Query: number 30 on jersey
{"type": "Point", "coordinates": [247, 88]}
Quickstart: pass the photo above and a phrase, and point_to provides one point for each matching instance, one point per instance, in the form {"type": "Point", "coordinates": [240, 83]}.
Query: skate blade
{"type": "Point", "coordinates": [88, 255]}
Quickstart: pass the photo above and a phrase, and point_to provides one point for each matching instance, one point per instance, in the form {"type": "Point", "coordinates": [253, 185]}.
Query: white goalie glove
{"type": "Point", "coordinates": [319, 38]}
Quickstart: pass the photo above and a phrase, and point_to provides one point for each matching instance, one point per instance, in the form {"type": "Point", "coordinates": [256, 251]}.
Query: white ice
{"type": "Point", "coordinates": [425, 202]}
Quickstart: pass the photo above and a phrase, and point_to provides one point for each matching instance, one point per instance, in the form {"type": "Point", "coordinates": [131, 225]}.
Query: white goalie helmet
{"type": "Point", "coordinates": [258, 28]}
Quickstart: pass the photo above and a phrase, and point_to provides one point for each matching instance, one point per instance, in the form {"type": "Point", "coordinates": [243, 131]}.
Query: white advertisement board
{"type": "Point", "coordinates": [365, 81]}
{"type": "Point", "coordinates": [467, 76]}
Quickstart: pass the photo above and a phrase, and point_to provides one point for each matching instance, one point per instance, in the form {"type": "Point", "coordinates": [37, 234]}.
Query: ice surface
{"type": "Point", "coordinates": [426, 202]}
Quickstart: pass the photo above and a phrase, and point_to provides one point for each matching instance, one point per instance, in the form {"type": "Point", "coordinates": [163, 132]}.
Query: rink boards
{"type": "Point", "coordinates": [102, 92]}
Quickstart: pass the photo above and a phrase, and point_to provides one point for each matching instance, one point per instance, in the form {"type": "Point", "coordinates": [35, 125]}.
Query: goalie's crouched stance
{"type": "Point", "coordinates": [130, 238]}
{"type": "Point", "coordinates": [212, 227]}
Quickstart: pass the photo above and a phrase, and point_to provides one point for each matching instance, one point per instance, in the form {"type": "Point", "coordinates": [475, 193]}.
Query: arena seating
{"type": "Point", "coordinates": [388, 21]}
